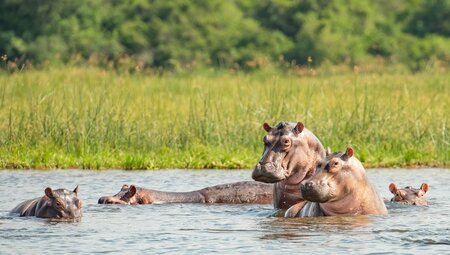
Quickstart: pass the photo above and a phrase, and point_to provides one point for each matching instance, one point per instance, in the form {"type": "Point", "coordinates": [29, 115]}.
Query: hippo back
{"type": "Point", "coordinates": [26, 208]}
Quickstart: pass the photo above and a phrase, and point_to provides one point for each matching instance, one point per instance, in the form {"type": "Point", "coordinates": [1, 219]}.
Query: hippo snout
{"type": "Point", "coordinates": [102, 200]}
{"type": "Point", "coordinates": [268, 173]}
{"type": "Point", "coordinates": [306, 188]}
{"type": "Point", "coordinates": [110, 200]}
{"type": "Point", "coordinates": [314, 192]}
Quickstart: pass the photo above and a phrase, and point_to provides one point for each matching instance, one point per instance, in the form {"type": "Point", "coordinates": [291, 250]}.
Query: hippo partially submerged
{"type": "Point", "coordinates": [232, 193]}
{"type": "Point", "coordinates": [339, 187]}
{"type": "Point", "coordinates": [290, 155]}
{"type": "Point", "coordinates": [60, 204]}
{"type": "Point", "coordinates": [409, 195]}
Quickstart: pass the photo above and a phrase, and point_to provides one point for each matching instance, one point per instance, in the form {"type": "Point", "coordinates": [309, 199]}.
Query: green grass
{"type": "Point", "coordinates": [91, 118]}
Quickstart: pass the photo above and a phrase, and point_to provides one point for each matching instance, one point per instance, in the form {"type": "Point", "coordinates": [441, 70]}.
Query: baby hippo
{"type": "Point", "coordinates": [338, 187]}
{"type": "Point", "coordinates": [60, 204]}
{"type": "Point", "coordinates": [409, 195]}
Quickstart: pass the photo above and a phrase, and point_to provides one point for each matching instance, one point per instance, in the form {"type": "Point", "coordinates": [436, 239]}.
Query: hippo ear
{"type": "Point", "coordinates": [131, 191]}
{"type": "Point", "coordinates": [424, 187]}
{"type": "Point", "coordinates": [393, 188]}
{"type": "Point", "coordinates": [124, 187]}
{"type": "Point", "coordinates": [298, 128]}
{"type": "Point", "coordinates": [348, 153]}
{"type": "Point", "coordinates": [76, 190]}
{"type": "Point", "coordinates": [267, 127]}
{"type": "Point", "coordinates": [49, 192]}
{"type": "Point", "coordinates": [328, 152]}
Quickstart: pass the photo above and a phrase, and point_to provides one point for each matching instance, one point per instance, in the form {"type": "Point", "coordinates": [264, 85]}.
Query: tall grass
{"type": "Point", "coordinates": [91, 118]}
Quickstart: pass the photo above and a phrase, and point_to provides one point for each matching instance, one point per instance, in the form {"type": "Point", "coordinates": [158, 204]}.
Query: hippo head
{"type": "Point", "coordinates": [409, 195]}
{"type": "Point", "coordinates": [289, 149]}
{"type": "Point", "coordinates": [61, 204]}
{"type": "Point", "coordinates": [126, 196]}
{"type": "Point", "coordinates": [334, 178]}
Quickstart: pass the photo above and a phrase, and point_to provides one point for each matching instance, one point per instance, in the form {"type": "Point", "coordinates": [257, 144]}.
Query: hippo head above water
{"type": "Point", "coordinates": [126, 196]}
{"type": "Point", "coordinates": [60, 203]}
{"type": "Point", "coordinates": [331, 178]}
{"type": "Point", "coordinates": [341, 187]}
{"type": "Point", "coordinates": [290, 152]}
{"type": "Point", "coordinates": [409, 195]}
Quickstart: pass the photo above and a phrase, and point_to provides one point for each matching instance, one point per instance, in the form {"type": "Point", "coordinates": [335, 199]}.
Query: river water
{"type": "Point", "coordinates": [224, 229]}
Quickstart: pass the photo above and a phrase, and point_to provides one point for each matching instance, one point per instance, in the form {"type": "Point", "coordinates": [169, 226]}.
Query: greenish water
{"type": "Point", "coordinates": [225, 229]}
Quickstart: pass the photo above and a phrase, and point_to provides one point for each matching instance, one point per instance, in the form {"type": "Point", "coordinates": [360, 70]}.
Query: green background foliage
{"type": "Point", "coordinates": [144, 84]}
{"type": "Point", "coordinates": [93, 118]}
{"type": "Point", "coordinates": [245, 34]}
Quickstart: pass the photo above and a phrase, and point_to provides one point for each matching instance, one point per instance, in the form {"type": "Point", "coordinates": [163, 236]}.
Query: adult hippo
{"type": "Point", "coordinates": [232, 193]}
{"type": "Point", "coordinates": [409, 195]}
{"type": "Point", "coordinates": [290, 155]}
{"type": "Point", "coordinates": [339, 187]}
{"type": "Point", "coordinates": [60, 204]}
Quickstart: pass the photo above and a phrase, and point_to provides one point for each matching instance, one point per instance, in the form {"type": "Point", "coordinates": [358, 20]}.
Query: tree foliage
{"type": "Point", "coordinates": [241, 33]}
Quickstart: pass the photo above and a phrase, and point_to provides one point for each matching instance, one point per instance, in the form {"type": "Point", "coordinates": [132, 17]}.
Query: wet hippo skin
{"type": "Point", "coordinates": [60, 203]}
{"type": "Point", "coordinates": [338, 187]}
{"type": "Point", "coordinates": [290, 155]}
{"type": "Point", "coordinates": [231, 193]}
{"type": "Point", "coordinates": [409, 195]}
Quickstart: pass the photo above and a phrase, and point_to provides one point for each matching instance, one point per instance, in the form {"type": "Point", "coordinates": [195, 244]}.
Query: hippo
{"type": "Point", "coordinates": [232, 193]}
{"type": "Point", "coordinates": [338, 187]}
{"type": "Point", "coordinates": [409, 195]}
{"type": "Point", "coordinates": [290, 155]}
{"type": "Point", "coordinates": [58, 204]}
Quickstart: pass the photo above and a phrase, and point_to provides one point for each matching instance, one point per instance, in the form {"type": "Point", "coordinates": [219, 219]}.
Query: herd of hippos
{"type": "Point", "coordinates": [295, 173]}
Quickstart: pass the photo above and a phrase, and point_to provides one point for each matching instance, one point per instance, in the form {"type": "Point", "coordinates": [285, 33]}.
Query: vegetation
{"type": "Point", "coordinates": [239, 34]}
{"type": "Point", "coordinates": [144, 84]}
{"type": "Point", "coordinates": [94, 118]}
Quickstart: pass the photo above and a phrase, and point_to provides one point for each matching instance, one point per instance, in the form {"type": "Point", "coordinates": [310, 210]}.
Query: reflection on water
{"type": "Point", "coordinates": [204, 229]}
{"type": "Point", "coordinates": [304, 228]}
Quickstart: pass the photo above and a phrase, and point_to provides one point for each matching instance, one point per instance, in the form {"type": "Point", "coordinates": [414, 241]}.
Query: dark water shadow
{"type": "Point", "coordinates": [303, 228]}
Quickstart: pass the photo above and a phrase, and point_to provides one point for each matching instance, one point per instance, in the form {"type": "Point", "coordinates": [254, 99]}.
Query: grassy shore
{"type": "Point", "coordinates": [91, 118]}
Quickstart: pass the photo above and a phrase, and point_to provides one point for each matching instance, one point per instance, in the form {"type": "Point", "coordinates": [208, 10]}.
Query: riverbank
{"type": "Point", "coordinates": [91, 118]}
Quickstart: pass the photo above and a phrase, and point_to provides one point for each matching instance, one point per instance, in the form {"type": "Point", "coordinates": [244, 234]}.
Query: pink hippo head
{"type": "Point", "coordinates": [290, 153]}
{"type": "Point", "coordinates": [409, 195]}
{"type": "Point", "coordinates": [127, 195]}
{"type": "Point", "coordinates": [341, 187]}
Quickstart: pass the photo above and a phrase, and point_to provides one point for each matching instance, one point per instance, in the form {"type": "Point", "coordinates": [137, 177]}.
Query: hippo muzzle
{"type": "Point", "coordinates": [111, 200]}
{"type": "Point", "coordinates": [268, 173]}
{"type": "Point", "coordinates": [315, 192]}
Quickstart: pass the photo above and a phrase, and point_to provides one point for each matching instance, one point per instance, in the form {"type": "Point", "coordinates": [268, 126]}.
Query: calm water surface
{"type": "Point", "coordinates": [225, 229]}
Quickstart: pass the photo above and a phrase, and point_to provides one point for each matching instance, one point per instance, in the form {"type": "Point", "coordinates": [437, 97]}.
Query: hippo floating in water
{"type": "Point", "coordinates": [232, 193]}
{"type": "Point", "coordinates": [339, 187]}
{"type": "Point", "coordinates": [290, 155]}
{"type": "Point", "coordinates": [409, 195]}
{"type": "Point", "coordinates": [60, 204]}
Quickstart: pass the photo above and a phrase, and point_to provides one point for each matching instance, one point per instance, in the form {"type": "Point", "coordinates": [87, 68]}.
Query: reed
{"type": "Point", "coordinates": [90, 118]}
